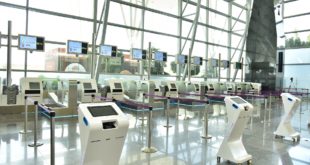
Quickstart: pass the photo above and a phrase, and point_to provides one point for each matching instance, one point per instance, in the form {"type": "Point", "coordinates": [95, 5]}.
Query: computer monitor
{"type": "Point", "coordinates": [197, 60]}
{"type": "Point", "coordinates": [77, 47]}
{"type": "Point", "coordinates": [160, 56]}
{"type": "Point", "coordinates": [32, 43]}
{"type": "Point", "coordinates": [225, 64]}
{"type": "Point", "coordinates": [138, 54]}
{"type": "Point", "coordinates": [107, 50]}
{"type": "Point", "coordinates": [181, 59]}
{"type": "Point", "coordinates": [238, 65]}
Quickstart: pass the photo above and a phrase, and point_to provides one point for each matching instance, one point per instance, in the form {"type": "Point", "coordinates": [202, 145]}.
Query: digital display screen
{"type": "Point", "coordinates": [181, 59]}
{"type": "Point", "coordinates": [160, 56]}
{"type": "Point", "coordinates": [238, 65]}
{"type": "Point", "coordinates": [97, 111]}
{"type": "Point", "coordinates": [214, 62]}
{"type": "Point", "coordinates": [108, 50]}
{"type": "Point", "coordinates": [34, 85]}
{"type": "Point", "coordinates": [87, 86]}
{"type": "Point", "coordinates": [138, 54]}
{"type": "Point", "coordinates": [118, 85]}
{"type": "Point", "coordinates": [238, 100]}
{"type": "Point", "coordinates": [172, 85]}
{"type": "Point", "coordinates": [197, 60]}
{"type": "Point", "coordinates": [225, 64]}
{"type": "Point", "coordinates": [30, 42]}
{"type": "Point", "coordinates": [77, 47]}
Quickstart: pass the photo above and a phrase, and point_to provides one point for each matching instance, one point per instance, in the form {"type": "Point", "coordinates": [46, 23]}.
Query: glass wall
{"type": "Point", "coordinates": [127, 27]}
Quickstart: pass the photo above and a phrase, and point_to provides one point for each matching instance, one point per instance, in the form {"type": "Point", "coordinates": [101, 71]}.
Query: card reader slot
{"type": "Point", "coordinates": [32, 91]}
{"type": "Point", "coordinates": [108, 125]}
{"type": "Point", "coordinates": [117, 90]}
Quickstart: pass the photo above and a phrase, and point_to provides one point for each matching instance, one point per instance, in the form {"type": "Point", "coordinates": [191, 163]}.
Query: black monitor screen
{"type": "Point", "coordinates": [97, 111]}
{"type": "Point", "coordinates": [118, 85]}
{"type": "Point", "coordinates": [105, 50]}
{"type": "Point", "coordinates": [138, 54]}
{"type": "Point", "coordinates": [77, 47]}
{"type": "Point", "coordinates": [238, 100]}
{"type": "Point", "coordinates": [172, 85]}
{"type": "Point", "coordinates": [87, 86]}
{"type": "Point", "coordinates": [197, 61]}
{"type": "Point", "coordinates": [34, 85]}
{"type": "Point", "coordinates": [238, 65]}
{"type": "Point", "coordinates": [26, 42]}
{"type": "Point", "coordinates": [160, 56]}
{"type": "Point", "coordinates": [181, 59]}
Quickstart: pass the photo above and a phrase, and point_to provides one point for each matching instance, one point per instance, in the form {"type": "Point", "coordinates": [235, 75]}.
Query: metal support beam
{"type": "Point", "coordinates": [229, 40]}
{"type": "Point", "coordinates": [9, 56]}
{"type": "Point", "coordinates": [26, 32]}
{"type": "Point", "coordinates": [179, 36]}
{"type": "Point", "coordinates": [93, 55]}
{"type": "Point", "coordinates": [207, 40]}
{"type": "Point", "coordinates": [104, 30]}
{"type": "Point", "coordinates": [142, 39]}
{"type": "Point", "coordinates": [188, 66]}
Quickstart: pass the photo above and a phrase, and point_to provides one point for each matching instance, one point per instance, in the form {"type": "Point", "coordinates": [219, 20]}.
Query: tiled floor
{"type": "Point", "coordinates": [179, 145]}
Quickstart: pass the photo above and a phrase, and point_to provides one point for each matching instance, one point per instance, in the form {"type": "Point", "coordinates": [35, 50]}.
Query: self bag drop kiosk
{"type": "Point", "coordinates": [32, 87]}
{"type": "Point", "coordinates": [103, 129]}
{"type": "Point", "coordinates": [239, 112]}
{"type": "Point", "coordinates": [285, 128]}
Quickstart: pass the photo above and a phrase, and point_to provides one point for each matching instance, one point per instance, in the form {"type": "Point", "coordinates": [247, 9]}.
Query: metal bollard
{"type": "Point", "coordinates": [167, 113]}
{"type": "Point", "coordinates": [149, 148]}
{"type": "Point", "coordinates": [35, 143]}
{"type": "Point", "coordinates": [52, 123]}
{"type": "Point", "coordinates": [206, 124]}
{"type": "Point", "coordinates": [25, 131]}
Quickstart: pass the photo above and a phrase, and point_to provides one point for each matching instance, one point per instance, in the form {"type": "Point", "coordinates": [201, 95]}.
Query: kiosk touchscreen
{"type": "Point", "coordinates": [32, 87]}
{"type": "Point", "coordinates": [103, 129]}
{"type": "Point", "coordinates": [285, 128]}
{"type": "Point", "coordinates": [239, 112]}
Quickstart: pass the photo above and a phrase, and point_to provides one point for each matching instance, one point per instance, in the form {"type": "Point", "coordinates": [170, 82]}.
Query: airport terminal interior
{"type": "Point", "coordinates": [154, 82]}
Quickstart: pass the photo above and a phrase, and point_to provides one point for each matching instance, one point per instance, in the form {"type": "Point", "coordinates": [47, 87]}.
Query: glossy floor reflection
{"type": "Point", "coordinates": [181, 144]}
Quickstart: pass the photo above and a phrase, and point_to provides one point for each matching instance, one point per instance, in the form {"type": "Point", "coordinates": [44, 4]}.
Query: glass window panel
{"type": "Point", "coordinates": [83, 8]}
{"type": "Point", "coordinates": [55, 28]}
{"type": "Point", "coordinates": [160, 23]}
{"type": "Point", "coordinates": [17, 17]}
{"type": "Point", "coordinates": [297, 56]}
{"type": "Point", "coordinates": [236, 41]}
{"type": "Point", "coordinates": [240, 2]}
{"type": "Point", "coordinates": [123, 38]}
{"type": "Point", "coordinates": [300, 74]}
{"type": "Point", "coordinates": [297, 40]}
{"type": "Point", "coordinates": [218, 37]}
{"type": "Point", "coordinates": [219, 5]}
{"type": "Point", "coordinates": [218, 21]}
{"type": "Point", "coordinates": [169, 6]}
{"type": "Point", "coordinates": [125, 15]}
{"type": "Point", "coordinates": [238, 27]}
{"type": "Point", "coordinates": [161, 42]}
{"type": "Point", "coordinates": [236, 11]}
{"type": "Point", "coordinates": [297, 23]}
{"type": "Point", "coordinates": [303, 6]}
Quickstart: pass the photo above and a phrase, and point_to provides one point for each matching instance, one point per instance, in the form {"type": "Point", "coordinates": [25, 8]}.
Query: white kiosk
{"type": "Point", "coordinates": [87, 89]}
{"type": "Point", "coordinates": [103, 129]}
{"type": "Point", "coordinates": [32, 87]}
{"type": "Point", "coordinates": [117, 90]}
{"type": "Point", "coordinates": [172, 88]}
{"type": "Point", "coordinates": [232, 149]}
{"type": "Point", "coordinates": [285, 128]}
